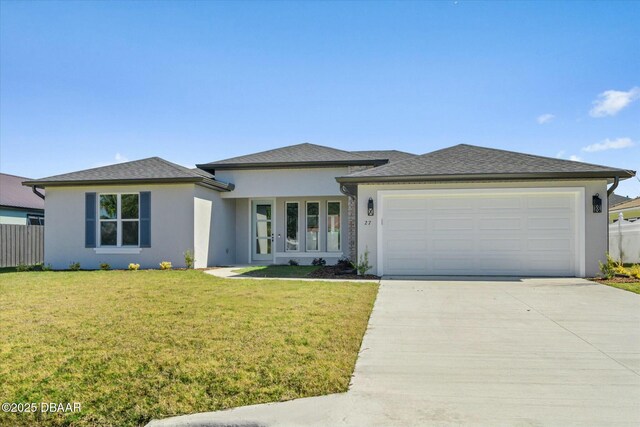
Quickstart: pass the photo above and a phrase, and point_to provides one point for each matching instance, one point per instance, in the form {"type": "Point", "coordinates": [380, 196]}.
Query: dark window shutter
{"type": "Point", "coordinates": [145, 219]}
{"type": "Point", "coordinates": [90, 220]}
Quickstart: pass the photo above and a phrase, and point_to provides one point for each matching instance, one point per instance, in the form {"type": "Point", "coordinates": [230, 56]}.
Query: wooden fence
{"type": "Point", "coordinates": [21, 244]}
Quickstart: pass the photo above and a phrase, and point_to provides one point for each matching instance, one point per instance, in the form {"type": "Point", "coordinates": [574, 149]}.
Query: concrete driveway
{"type": "Point", "coordinates": [527, 352]}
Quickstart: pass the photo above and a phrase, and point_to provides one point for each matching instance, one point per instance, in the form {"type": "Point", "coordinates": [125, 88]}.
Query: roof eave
{"type": "Point", "coordinates": [291, 165]}
{"type": "Point", "coordinates": [44, 183]}
{"type": "Point", "coordinates": [622, 174]}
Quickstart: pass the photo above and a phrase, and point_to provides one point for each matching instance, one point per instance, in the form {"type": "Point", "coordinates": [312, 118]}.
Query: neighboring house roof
{"type": "Point", "coordinates": [616, 199]}
{"type": "Point", "coordinates": [631, 204]}
{"type": "Point", "coordinates": [14, 195]}
{"type": "Point", "coordinates": [468, 162]}
{"type": "Point", "coordinates": [300, 155]}
{"type": "Point", "coordinates": [151, 170]}
{"type": "Point", "coordinates": [391, 155]}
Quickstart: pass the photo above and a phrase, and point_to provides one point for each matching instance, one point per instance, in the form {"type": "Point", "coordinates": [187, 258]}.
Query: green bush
{"type": "Point", "coordinates": [134, 267]}
{"type": "Point", "coordinates": [74, 266]}
{"type": "Point", "coordinates": [608, 269]}
{"type": "Point", "coordinates": [363, 266]}
{"type": "Point", "coordinates": [24, 267]}
{"type": "Point", "coordinates": [105, 266]}
{"type": "Point", "coordinates": [188, 258]}
{"type": "Point", "coordinates": [293, 262]}
{"type": "Point", "coordinates": [165, 265]}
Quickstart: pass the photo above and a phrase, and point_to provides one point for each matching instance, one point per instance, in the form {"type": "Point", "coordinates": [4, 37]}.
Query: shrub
{"type": "Point", "coordinates": [344, 263]}
{"type": "Point", "coordinates": [634, 271]}
{"type": "Point", "coordinates": [165, 265]}
{"type": "Point", "coordinates": [134, 267]}
{"type": "Point", "coordinates": [23, 267]}
{"type": "Point", "coordinates": [293, 262]}
{"type": "Point", "coordinates": [74, 266]}
{"type": "Point", "coordinates": [608, 269]}
{"type": "Point", "coordinates": [188, 258]}
{"type": "Point", "coordinates": [318, 261]}
{"type": "Point", "coordinates": [363, 266]}
{"type": "Point", "coordinates": [105, 266]}
{"type": "Point", "coordinates": [46, 267]}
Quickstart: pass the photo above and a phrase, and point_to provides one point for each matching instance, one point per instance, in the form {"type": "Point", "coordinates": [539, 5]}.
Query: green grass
{"type": "Point", "coordinates": [631, 287]}
{"type": "Point", "coordinates": [132, 346]}
{"type": "Point", "coordinates": [297, 271]}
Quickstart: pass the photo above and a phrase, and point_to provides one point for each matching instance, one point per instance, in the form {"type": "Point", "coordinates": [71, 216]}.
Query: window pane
{"type": "Point", "coordinates": [108, 234]}
{"type": "Point", "coordinates": [263, 246]}
{"type": "Point", "coordinates": [292, 227]}
{"type": "Point", "coordinates": [313, 243]}
{"type": "Point", "coordinates": [334, 208]}
{"type": "Point", "coordinates": [333, 226]}
{"type": "Point", "coordinates": [263, 212]}
{"type": "Point", "coordinates": [129, 206]}
{"type": "Point", "coordinates": [130, 233]}
{"type": "Point", "coordinates": [263, 229]}
{"type": "Point", "coordinates": [108, 206]}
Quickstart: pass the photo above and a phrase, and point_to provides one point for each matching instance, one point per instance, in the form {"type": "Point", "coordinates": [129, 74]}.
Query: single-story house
{"type": "Point", "coordinates": [630, 210]}
{"type": "Point", "coordinates": [19, 205]}
{"type": "Point", "coordinates": [462, 210]}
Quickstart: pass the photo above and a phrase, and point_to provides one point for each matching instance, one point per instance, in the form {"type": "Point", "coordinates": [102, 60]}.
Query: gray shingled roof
{"type": "Point", "coordinates": [151, 170]}
{"type": "Point", "coordinates": [391, 155]}
{"type": "Point", "coordinates": [292, 156]}
{"type": "Point", "coordinates": [616, 199]}
{"type": "Point", "coordinates": [630, 204]}
{"type": "Point", "coordinates": [13, 194]}
{"type": "Point", "coordinates": [471, 162]}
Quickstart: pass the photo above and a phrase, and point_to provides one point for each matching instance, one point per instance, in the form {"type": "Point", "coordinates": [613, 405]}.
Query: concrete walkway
{"type": "Point", "coordinates": [562, 352]}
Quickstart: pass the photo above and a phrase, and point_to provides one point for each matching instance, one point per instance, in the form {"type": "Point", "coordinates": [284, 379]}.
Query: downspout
{"type": "Point", "coordinates": [611, 189]}
{"type": "Point", "coordinates": [36, 192]}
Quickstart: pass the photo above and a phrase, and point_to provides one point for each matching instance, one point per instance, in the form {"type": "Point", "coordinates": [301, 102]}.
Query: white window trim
{"type": "Point", "coordinates": [119, 222]}
{"type": "Point", "coordinates": [286, 222]}
{"type": "Point", "coordinates": [339, 224]}
{"type": "Point", "coordinates": [306, 225]}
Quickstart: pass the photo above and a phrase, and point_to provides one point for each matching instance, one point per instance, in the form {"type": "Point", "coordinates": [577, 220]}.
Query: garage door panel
{"type": "Point", "coordinates": [519, 233]}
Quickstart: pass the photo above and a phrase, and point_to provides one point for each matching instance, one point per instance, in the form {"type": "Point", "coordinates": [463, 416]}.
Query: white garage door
{"type": "Point", "coordinates": [482, 232]}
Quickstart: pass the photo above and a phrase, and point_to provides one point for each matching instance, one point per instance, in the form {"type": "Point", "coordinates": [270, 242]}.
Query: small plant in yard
{"type": "Point", "coordinates": [165, 265]}
{"type": "Point", "coordinates": [608, 269]}
{"type": "Point", "coordinates": [23, 267]}
{"type": "Point", "coordinates": [134, 267]}
{"type": "Point", "coordinates": [46, 267]}
{"type": "Point", "coordinates": [74, 266]}
{"type": "Point", "coordinates": [634, 271]}
{"type": "Point", "coordinates": [318, 261]}
{"type": "Point", "coordinates": [105, 266]}
{"type": "Point", "coordinates": [344, 263]}
{"type": "Point", "coordinates": [293, 262]}
{"type": "Point", "coordinates": [363, 265]}
{"type": "Point", "coordinates": [188, 258]}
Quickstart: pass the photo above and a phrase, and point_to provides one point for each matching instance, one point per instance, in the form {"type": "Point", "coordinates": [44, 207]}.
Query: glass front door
{"type": "Point", "coordinates": [262, 233]}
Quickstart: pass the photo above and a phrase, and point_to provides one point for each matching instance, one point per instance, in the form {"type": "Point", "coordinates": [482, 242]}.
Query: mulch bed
{"type": "Point", "coordinates": [617, 279]}
{"type": "Point", "coordinates": [333, 272]}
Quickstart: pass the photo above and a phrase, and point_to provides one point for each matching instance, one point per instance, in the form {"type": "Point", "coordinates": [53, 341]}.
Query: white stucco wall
{"type": "Point", "coordinates": [282, 182]}
{"type": "Point", "coordinates": [595, 223]}
{"type": "Point", "coordinates": [172, 227]}
{"type": "Point", "coordinates": [214, 228]}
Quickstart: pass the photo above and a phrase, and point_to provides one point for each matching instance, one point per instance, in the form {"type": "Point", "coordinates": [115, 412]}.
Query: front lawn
{"type": "Point", "coordinates": [627, 286]}
{"type": "Point", "coordinates": [297, 271]}
{"type": "Point", "coordinates": [132, 346]}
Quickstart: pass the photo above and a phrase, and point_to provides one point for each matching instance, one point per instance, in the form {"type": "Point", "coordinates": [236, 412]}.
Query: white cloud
{"type": "Point", "coordinates": [119, 158]}
{"type": "Point", "coordinates": [609, 144]}
{"type": "Point", "coordinates": [610, 102]}
{"type": "Point", "coordinates": [545, 118]}
{"type": "Point", "coordinates": [560, 154]}
{"type": "Point", "coordinates": [575, 158]}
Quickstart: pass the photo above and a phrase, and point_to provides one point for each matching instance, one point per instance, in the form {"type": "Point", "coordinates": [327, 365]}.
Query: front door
{"type": "Point", "coordinates": [262, 233]}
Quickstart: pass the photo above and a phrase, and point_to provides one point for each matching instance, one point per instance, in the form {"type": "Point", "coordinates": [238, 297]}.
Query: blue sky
{"type": "Point", "coordinates": [91, 83]}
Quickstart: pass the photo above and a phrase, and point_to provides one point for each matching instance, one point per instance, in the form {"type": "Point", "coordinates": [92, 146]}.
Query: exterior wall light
{"type": "Point", "coordinates": [597, 203]}
{"type": "Point", "coordinates": [370, 207]}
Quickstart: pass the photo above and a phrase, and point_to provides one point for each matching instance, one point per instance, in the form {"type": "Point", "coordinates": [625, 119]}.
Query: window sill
{"type": "Point", "coordinates": [117, 251]}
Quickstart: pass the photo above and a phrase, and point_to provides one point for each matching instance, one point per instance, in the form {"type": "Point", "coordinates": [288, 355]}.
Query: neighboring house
{"type": "Point", "coordinates": [630, 210]}
{"type": "Point", "coordinates": [616, 199]}
{"type": "Point", "coordinates": [463, 210]}
{"type": "Point", "coordinates": [18, 204]}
